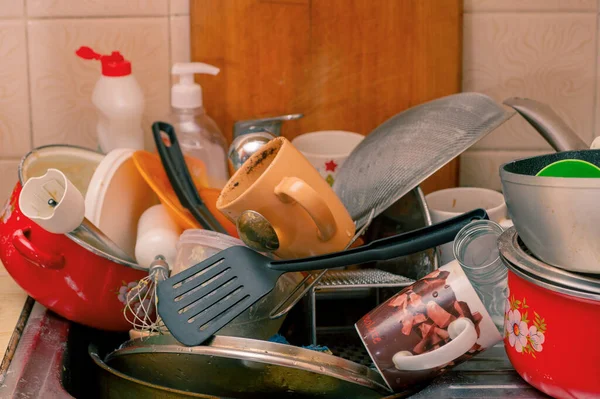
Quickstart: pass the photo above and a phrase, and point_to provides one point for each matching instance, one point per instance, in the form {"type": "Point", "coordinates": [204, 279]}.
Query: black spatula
{"type": "Point", "coordinates": [180, 179]}
{"type": "Point", "coordinates": [201, 300]}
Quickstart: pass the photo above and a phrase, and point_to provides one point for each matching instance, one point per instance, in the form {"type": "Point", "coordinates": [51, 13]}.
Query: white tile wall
{"type": "Point", "coordinates": [180, 38]}
{"type": "Point", "coordinates": [11, 8]}
{"type": "Point", "coordinates": [15, 133]}
{"type": "Point", "coordinates": [542, 49]}
{"type": "Point", "coordinates": [45, 89]}
{"type": "Point", "coordinates": [530, 5]}
{"type": "Point", "coordinates": [8, 171]}
{"type": "Point", "coordinates": [180, 7]}
{"type": "Point", "coordinates": [95, 8]}
{"type": "Point", "coordinates": [545, 57]}
{"type": "Point", "coordinates": [482, 167]}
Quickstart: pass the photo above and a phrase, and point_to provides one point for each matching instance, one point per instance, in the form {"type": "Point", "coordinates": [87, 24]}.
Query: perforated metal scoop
{"type": "Point", "coordinates": [411, 146]}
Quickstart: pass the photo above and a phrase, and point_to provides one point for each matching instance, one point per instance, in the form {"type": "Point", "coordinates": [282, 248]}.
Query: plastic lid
{"type": "Point", "coordinates": [112, 65]}
{"type": "Point", "coordinates": [187, 93]}
{"type": "Point", "coordinates": [207, 238]}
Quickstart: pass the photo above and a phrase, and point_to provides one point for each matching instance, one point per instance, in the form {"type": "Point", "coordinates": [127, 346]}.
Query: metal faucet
{"type": "Point", "coordinates": [250, 135]}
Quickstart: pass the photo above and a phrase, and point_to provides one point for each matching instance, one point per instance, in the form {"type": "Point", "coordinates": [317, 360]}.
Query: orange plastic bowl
{"type": "Point", "coordinates": [151, 168]}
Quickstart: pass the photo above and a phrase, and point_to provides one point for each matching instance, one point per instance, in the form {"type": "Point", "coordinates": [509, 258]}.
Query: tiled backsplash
{"type": "Point", "coordinates": [543, 49]}
{"type": "Point", "coordinates": [45, 89]}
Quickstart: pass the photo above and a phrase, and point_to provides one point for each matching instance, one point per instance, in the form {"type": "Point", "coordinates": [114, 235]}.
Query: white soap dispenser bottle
{"type": "Point", "coordinates": [198, 134]}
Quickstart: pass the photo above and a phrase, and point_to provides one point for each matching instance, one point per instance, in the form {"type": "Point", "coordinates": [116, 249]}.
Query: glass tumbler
{"type": "Point", "coordinates": [476, 249]}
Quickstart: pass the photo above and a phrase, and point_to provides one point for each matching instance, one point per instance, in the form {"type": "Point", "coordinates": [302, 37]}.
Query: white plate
{"type": "Point", "coordinates": [116, 198]}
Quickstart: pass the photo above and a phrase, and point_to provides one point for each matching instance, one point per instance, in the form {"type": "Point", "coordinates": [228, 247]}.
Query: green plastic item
{"type": "Point", "coordinates": [570, 168]}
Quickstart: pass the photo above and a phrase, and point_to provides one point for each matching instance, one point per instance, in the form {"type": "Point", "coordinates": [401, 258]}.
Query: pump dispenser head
{"type": "Point", "coordinates": [112, 65]}
{"type": "Point", "coordinates": [187, 93]}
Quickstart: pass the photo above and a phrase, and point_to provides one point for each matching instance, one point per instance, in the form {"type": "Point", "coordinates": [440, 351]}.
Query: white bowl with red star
{"type": "Point", "coordinates": [327, 149]}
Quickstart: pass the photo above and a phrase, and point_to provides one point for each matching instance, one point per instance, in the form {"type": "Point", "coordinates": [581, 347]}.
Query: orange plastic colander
{"type": "Point", "coordinates": [151, 169]}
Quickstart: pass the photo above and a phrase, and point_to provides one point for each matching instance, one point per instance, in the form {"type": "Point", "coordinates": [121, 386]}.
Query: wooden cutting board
{"type": "Point", "coordinates": [344, 64]}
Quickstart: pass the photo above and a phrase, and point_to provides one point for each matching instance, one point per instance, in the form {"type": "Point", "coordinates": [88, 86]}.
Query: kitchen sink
{"type": "Point", "coordinates": [51, 358]}
{"type": "Point", "coordinates": [48, 358]}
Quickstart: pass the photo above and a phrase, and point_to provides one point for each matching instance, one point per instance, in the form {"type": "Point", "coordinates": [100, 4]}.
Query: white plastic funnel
{"type": "Point", "coordinates": [52, 202]}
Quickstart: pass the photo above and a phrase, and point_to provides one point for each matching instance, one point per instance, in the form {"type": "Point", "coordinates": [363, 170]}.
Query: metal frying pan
{"type": "Point", "coordinates": [234, 367]}
{"type": "Point", "coordinates": [557, 218]}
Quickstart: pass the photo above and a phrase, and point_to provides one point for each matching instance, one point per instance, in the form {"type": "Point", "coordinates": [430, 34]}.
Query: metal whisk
{"type": "Point", "coordinates": [141, 300]}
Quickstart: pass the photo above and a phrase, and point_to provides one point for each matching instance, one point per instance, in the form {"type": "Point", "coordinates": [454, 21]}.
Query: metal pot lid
{"type": "Point", "coordinates": [521, 261]}
{"type": "Point", "coordinates": [245, 368]}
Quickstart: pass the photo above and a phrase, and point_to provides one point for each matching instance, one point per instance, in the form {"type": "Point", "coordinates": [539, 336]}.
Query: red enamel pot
{"type": "Point", "coordinates": [552, 324]}
{"type": "Point", "coordinates": [68, 276]}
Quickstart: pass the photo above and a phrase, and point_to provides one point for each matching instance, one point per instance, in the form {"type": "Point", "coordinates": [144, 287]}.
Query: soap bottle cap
{"type": "Point", "coordinates": [112, 65]}
{"type": "Point", "coordinates": [187, 93]}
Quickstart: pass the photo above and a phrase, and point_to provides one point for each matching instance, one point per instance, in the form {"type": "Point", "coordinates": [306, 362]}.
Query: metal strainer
{"type": "Point", "coordinates": [411, 146]}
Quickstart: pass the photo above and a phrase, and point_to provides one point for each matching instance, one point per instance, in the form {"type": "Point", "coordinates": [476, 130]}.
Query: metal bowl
{"type": "Point", "coordinates": [408, 213]}
{"type": "Point", "coordinates": [255, 322]}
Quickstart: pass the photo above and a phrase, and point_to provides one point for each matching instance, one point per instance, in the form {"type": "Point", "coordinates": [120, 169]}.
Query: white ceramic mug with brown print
{"type": "Point", "coordinates": [327, 150]}
{"type": "Point", "coordinates": [427, 328]}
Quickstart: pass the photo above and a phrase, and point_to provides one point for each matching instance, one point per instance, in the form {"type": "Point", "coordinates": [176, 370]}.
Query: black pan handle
{"type": "Point", "coordinates": [179, 177]}
{"type": "Point", "coordinates": [386, 248]}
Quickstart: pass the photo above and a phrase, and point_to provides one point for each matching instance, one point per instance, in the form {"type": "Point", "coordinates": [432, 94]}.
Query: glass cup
{"type": "Point", "coordinates": [476, 249]}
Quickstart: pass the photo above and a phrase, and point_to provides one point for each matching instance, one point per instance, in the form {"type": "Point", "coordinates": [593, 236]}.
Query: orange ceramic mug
{"type": "Point", "coordinates": [280, 183]}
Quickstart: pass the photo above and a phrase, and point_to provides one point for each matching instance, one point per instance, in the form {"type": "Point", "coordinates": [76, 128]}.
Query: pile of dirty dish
{"type": "Point", "coordinates": [139, 241]}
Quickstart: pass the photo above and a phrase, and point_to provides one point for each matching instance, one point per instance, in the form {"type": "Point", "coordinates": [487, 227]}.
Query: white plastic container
{"type": "Point", "coordinates": [119, 100]}
{"type": "Point", "coordinates": [157, 234]}
{"type": "Point", "coordinates": [197, 133]}
{"type": "Point", "coordinates": [196, 245]}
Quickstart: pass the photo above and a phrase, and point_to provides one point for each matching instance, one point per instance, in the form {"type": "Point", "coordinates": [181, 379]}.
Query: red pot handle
{"type": "Point", "coordinates": [39, 258]}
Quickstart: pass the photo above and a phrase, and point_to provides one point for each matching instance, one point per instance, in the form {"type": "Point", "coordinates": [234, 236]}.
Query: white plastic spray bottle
{"type": "Point", "coordinates": [119, 100]}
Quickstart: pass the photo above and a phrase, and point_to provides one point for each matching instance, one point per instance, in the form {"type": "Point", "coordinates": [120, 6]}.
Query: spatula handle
{"type": "Point", "coordinates": [179, 176]}
{"type": "Point", "coordinates": [386, 248]}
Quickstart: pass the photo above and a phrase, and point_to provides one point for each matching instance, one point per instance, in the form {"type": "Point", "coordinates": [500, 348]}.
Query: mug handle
{"type": "Point", "coordinates": [463, 336]}
{"type": "Point", "coordinates": [33, 254]}
{"type": "Point", "coordinates": [293, 189]}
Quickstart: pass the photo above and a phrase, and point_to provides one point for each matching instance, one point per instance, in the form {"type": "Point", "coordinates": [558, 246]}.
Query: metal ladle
{"type": "Point", "coordinates": [257, 232]}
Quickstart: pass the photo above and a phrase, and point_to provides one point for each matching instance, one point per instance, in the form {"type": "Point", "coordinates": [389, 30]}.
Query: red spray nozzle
{"type": "Point", "coordinates": [112, 65]}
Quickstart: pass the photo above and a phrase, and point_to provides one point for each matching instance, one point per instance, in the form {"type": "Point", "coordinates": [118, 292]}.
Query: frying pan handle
{"type": "Point", "coordinates": [33, 254]}
{"type": "Point", "coordinates": [463, 336]}
{"type": "Point", "coordinates": [292, 189]}
{"type": "Point", "coordinates": [386, 248]}
{"type": "Point", "coordinates": [174, 163]}
{"type": "Point", "coordinates": [547, 122]}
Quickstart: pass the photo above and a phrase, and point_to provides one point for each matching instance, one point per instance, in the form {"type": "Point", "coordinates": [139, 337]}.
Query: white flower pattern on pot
{"type": "Point", "coordinates": [517, 324]}
{"type": "Point", "coordinates": [536, 338]}
{"type": "Point", "coordinates": [517, 330]}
